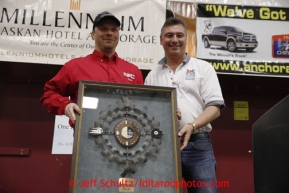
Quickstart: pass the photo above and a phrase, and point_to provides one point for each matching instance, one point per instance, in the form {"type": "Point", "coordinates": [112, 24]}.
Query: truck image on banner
{"type": "Point", "coordinates": [231, 38]}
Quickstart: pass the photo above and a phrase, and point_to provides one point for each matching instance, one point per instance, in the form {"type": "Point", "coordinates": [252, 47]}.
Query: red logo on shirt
{"type": "Point", "coordinates": [130, 77]}
{"type": "Point", "coordinates": [190, 71]}
{"type": "Point", "coordinates": [190, 75]}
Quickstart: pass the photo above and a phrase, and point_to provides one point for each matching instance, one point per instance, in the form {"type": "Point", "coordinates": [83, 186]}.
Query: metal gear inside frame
{"type": "Point", "coordinates": [127, 133]}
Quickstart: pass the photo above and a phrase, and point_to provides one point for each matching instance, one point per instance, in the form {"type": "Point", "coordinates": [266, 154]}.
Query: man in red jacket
{"type": "Point", "coordinates": [60, 93]}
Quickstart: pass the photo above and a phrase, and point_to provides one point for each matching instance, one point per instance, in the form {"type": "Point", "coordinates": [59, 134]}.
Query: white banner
{"type": "Point", "coordinates": [246, 24]}
{"type": "Point", "coordinates": [244, 39]}
{"type": "Point", "coordinates": [50, 32]}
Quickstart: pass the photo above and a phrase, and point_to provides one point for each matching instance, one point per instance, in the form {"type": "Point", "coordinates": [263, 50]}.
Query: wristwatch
{"type": "Point", "coordinates": [193, 125]}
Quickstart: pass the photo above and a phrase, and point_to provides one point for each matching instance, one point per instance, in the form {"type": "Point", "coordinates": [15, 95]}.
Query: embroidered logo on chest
{"type": "Point", "coordinates": [129, 76]}
{"type": "Point", "coordinates": [190, 74]}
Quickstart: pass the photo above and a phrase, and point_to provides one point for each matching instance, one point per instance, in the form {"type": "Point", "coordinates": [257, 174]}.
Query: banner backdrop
{"type": "Point", "coordinates": [51, 32]}
{"type": "Point", "coordinates": [238, 39]}
{"type": "Point", "coordinates": [46, 32]}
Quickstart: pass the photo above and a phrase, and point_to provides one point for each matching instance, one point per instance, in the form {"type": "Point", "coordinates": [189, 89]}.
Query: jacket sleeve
{"type": "Point", "coordinates": [57, 92]}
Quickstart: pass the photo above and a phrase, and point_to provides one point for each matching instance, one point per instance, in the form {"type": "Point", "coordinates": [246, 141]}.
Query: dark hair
{"type": "Point", "coordinates": [174, 21]}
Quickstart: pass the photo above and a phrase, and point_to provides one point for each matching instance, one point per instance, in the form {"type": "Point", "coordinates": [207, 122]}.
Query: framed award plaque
{"type": "Point", "coordinates": [126, 140]}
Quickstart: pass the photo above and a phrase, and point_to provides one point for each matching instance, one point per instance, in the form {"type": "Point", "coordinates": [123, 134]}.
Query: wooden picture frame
{"type": "Point", "coordinates": [126, 139]}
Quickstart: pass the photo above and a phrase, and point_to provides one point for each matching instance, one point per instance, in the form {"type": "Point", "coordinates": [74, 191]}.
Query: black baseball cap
{"type": "Point", "coordinates": [103, 15]}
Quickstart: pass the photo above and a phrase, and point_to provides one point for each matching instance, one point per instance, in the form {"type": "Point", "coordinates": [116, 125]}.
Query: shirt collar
{"type": "Point", "coordinates": [164, 60]}
{"type": "Point", "coordinates": [100, 56]}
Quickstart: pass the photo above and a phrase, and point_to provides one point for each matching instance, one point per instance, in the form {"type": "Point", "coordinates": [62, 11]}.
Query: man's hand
{"type": "Point", "coordinates": [70, 111]}
{"type": "Point", "coordinates": [179, 115]}
{"type": "Point", "coordinates": [184, 135]}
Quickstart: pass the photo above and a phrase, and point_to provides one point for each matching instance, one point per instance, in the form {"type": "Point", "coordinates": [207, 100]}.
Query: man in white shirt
{"type": "Point", "coordinates": [200, 100]}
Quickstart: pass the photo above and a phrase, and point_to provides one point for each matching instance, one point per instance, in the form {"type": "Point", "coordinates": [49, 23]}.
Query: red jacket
{"type": "Point", "coordinates": [95, 67]}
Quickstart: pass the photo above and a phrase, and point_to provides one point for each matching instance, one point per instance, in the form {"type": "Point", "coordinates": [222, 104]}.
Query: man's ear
{"type": "Point", "coordinates": [92, 34]}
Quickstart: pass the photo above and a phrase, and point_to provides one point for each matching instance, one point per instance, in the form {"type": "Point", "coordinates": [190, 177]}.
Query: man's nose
{"type": "Point", "coordinates": [174, 38]}
{"type": "Point", "coordinates": [109, 32]}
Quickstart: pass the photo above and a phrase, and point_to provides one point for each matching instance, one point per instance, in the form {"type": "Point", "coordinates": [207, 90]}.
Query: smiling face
{"type": "Point", "coordinates": [174, 40]}
{"type": "Point", "coordinates": [106, 36]}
